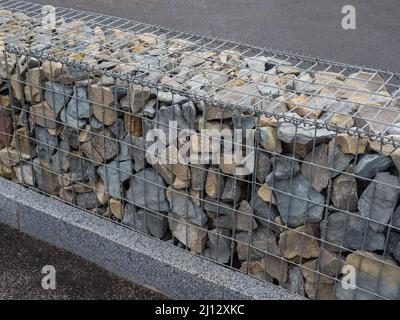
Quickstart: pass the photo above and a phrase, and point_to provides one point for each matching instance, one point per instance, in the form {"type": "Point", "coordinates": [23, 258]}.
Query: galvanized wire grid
{"type": "Point", "coordinates": [316, 202]}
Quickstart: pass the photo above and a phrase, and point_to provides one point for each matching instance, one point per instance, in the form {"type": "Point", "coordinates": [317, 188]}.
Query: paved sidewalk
{"type": "Point", "coordinates": [22, 259]}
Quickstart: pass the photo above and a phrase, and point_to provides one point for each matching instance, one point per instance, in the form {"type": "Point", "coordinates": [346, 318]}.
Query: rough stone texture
{"type": "Point", "coordinates": [369, 164]}
{"type": "Point", "coordinates": [148, 191]}
{"type": "Point", "coordinates": [263, 242]}
{"type": "Point", "coordinates": [318, 171]}
{"type": "Point", "coordinates": [348, 231]}
{"type": "Point", "coordinates": [379, 200]}
{"type": "Point", "coordinates": [300, 242]}
{"type": "Point", "coordinates": [6, 129]}
{"type": "Point", "coordinates": [344, 192]}
{"type": "Point", "coordinates": [376, 277]}
{"type": "Point", "coordinates": [306, 206]}
{"type": "Point", "coordinates": [190, 235]}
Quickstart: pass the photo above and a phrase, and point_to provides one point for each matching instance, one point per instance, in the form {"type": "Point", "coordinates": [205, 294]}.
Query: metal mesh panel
{"type": "Point", "coordinates": [282, 166]}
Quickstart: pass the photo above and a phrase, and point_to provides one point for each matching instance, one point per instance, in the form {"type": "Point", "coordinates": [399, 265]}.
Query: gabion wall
{"type": "Point", "coordinates": [293, 173]}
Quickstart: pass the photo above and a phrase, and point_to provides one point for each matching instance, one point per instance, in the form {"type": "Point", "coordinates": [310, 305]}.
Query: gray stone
{"type": "Point", "coordinates": [217, 206]}
{"type": "Point", "coordinates": [396, 218]}
{"type": "Point", "coordinates": [183, 206]}
{"type": "Point", "coordinates": [338, 160]}
{"type": "Point", "coordinates": [344, 192]}
{"type": "Point", "coordinates": [147, 190]}
{"type": "Point", "coordinates": [87, 200]}
{"type": "Point", "coordinates": [46, 145]}
{"type": "Point", "coordinates": [71, 120]}
{"type": "Point", "coordinates": [379, 200]}
{"type": "Point", "coordinates": [243, 122]}
{"type": "Point", "coordinates": [79, 106]}
{"type": "Point", "coordinates": [316, 167]}
{"type": "Point", "coordinates": [131, 219]}
{"type": "Point", "coordinates": [132, 147]}
{"type": "Point", "coordinates": [57, 95]}
{"type": "Point", "coordinates": [184, 117]}
{"type": "Point", "coordinates": [219, 245]}
{"type": "Point", "coordinates": [113, 175]}
{"type": "Point", "coordinates": [295, 281]}
{"type": "Point", "coordinates": [306, 206]}
{"type": "Point", "coordinates": [232, 191]}
{"type": "Point", "coordinates": [242, 220]}
{"type": "Point", "coordinates": [189, 234]}
{"type": "Point", "coordinates": [262, 239]}
{"type": "Point", "coordinates": [303, 134]}
{"type": "Point", "coordinates": [265, 212]}
{"type": "Point", "coordinates": [263, 166]}
{"type": "Point", "coordinates": [198, 178]}
{"type": "Point", "coordinates": [348, 231]}
{"type": "Point", "coordinates": [150, 108]}
{"type": "Point", "coordinates": [371, 163]}
{"type": "Point", "coordinates": [95, 124]}
{"type": "Point", "coordinates": [285, 166]}
{"type": "Point", "coordinates": [156, 223]}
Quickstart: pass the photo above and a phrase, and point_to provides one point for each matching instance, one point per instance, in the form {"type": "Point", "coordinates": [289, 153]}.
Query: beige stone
{"type": "Point", "coordinates": [269, 141]}
{"type": "Point", "coordinates": [300, 105]}
{"type": "Point", "coordinates": [229, 166]}
{"type": "Point", "coordinates": [102, 102]}
{"type": "Point", "coordinates": [266, 194]}
{"type": "Point", "coordinates": [133, 124]}
{"type": "Point", "coordinates": [33, 84]}
{"type": "Point", "coordinates": [300, 242]}
{"type": "Point", "coordinates": [341, 120]}
{"type": "Point", "coordinates": [9, 157]}
{"type": "Point", "coordinates": [215, 183]}
{"type": "Point", "coordinates": [181, 184]}
{"type": "Point", "coordinates": [102, 196]}
{"type": "Point", "coordinates": [116, 208]}
{"type": "Point", "coordinates": [43, 115]}
{"type": "Point", "coordinates": [189, 234]}
{"type": "Point", "coordinates": [351, 144]}
{"type": "Point", "coordinates": [256, 269]}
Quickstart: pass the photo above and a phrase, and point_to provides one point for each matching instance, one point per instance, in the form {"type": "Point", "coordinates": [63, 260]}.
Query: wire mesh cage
{"type": "Point", "coordinates": [281, 166]}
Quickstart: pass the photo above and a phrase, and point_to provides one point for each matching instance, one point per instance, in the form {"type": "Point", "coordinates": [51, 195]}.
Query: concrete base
{"type": "Point", "coordinates": [129, 254]}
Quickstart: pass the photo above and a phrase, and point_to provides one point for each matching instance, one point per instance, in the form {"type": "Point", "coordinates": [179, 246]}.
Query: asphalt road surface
{"type": "Point", "coordinates": [22, 259]}
{"type": "Point", "coordinates": [312, 27]}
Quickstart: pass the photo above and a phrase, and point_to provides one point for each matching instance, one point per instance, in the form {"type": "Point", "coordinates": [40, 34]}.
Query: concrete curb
{"type": "Point", "coordinates": [129, 254]}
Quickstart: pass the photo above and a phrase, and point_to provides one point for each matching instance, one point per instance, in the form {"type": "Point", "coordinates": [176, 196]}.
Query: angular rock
{"type": "Point", "coordinates": [263, 166]}
{"type": "Point", "coordinates": [265, 212]}
{"type": "Point", "coordinates": [379, 200]}
{"type": "Point", "coordinates": [79, 106]}
{"type": "Point", "coordinates": [351, 144]}
{"type": "Point", "coordinates": [317, 172]}
{"type": "Point", "coordinates": [242, 220]}
{"type": "Point", "coordinates": [371, 163]}
{"type": "Point", "coordinates": [199, 176]}
{"type": "Point", "coordinates": [147, 190]}
{"type": "Point", "coordinates": [113, 175]}
{"type": "Point", "coordinates": [231, 191]}
{"type": "Point", "coordinates": [57, 95]}
{"type": "Point", "coordinates": [24, 174]}
{"type": "Point", "coordinates": [300, 242]}
{"type": "Point", "coordinates": [189, 234]}
{"type": "Point", "coordinates": [269, 141]}
{"type": "Point", "coordinates": [183, 206]}
{"type": "Point", "coordinates": [375, 274]}
{"type": "Point", "coordinates": [6, 129]}
{"type": "Point", "coordinates": [266, 194]}
{"type": "Point", "coordinates": [306, 206]}
{"type": "Point", "coordinates": [348, 231]}
{"type": "Point", "coordinates": [215, 183]}
{"type": "Point", "coordinates": [103, 104]}
{"type": "Point", "coordinates": [295, 281]}
{"type": "Point", "coordinates": [45, 179]}
{"type": "Point", "coordinates": [344, 192]}
{"type": "Point", "coordinates": [285, 166]}
{"type": "Point", "coordinates": [263, 242]}
{"type": "Point", "coordinates": [219, 245]}
{"type": "Point", "coordinates": [42, 115]}
{"type": "Point", "coordinates": [303, 134]}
